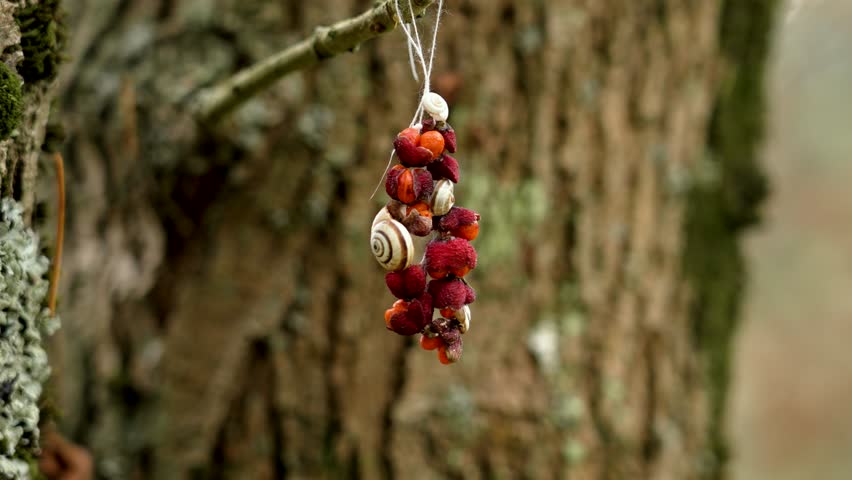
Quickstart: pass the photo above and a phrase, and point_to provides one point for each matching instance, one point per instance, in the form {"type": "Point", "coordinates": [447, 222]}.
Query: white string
{"type": "Point", "coordinates": [434, 45]}
{"type": "Point", "coordinates": [415, 47]}
{"type": "Point", "coordinates": [416, 36]}
{"type": "Point", "coordinates": [415, 53]}
{"type": "Point", "coordinates": [411, 62]}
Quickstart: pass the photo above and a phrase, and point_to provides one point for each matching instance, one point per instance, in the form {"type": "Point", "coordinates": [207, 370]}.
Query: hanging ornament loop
{"type": "Point", "coordinates": [416, 54]}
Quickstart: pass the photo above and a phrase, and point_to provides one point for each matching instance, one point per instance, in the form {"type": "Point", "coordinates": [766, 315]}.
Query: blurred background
{"type": "Point", "coordinates": [791, 407]}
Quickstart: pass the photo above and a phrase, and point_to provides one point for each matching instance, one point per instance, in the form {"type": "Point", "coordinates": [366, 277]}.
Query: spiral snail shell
{"type": "Point", "coordinates": [384, 214]}
{"type": "Point", "coordinates": [436, 106]}
{"type": "Point", "coordinates": [443, 198]}
{"type": "Point", "coordinates": [392, 245]}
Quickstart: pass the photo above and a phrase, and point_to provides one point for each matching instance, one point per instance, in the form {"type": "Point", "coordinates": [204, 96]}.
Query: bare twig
{"type": "Point", "coordinates": [60, 234]}
{"type": "Point", "coordinates": [214, 102]}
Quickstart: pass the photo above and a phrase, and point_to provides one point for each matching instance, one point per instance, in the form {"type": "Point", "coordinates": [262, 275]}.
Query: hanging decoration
{"type": "Point", "coordinates": [434, 297]}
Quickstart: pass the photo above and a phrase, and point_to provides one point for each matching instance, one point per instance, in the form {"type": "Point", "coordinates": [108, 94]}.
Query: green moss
{"type": "Point", "coordinates": [43, 36]}
{"type": "Point", "coordinates": [718, 211]}
{"type": "Point", "coordinates": [10, 101]}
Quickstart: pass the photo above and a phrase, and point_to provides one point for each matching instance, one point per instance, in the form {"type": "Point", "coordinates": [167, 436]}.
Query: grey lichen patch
{"type": "Point", "coordinates": [459, 409]}
{"type": "Point", "coordinates": [574, 452]}
{"type": "Point", "coordinates": [573, 323]}
{"type": "Point", "coordinates": [10, 34]}
{"type": "Point", "coordinates": [509, 211]}
{"type": "Point", "coordinates": [568, 411]}
{"type": "Point", "coordinates": [24, 322]}
{"type": "Point", "coordinates": [10, 101]}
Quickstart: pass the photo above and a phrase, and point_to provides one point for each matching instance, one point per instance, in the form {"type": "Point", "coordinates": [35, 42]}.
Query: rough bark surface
{"type": "Point", "coordinates": [26, 91]}
{"type": "Point", "coordinates": [223, 311]}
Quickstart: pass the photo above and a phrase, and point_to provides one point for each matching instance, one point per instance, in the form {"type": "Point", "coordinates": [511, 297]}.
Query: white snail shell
{"type": "Point", "coordinates": [383, 215]}
{"type": "Point", "coordinates": [442, 198]}
{"type": "Point", "coordinates": [463, 316]}
{"type": "Point", "coordinates": [392, 245]}
{"type": "Point", "coordinates": [436, 106]}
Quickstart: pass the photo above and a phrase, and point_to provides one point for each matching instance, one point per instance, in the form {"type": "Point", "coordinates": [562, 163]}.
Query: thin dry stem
{"type": "Point", "coordinates": [60, 234]}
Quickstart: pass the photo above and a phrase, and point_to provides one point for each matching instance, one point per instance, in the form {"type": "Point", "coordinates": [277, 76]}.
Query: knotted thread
{"type": "Point", "coordinates": [416, 54]}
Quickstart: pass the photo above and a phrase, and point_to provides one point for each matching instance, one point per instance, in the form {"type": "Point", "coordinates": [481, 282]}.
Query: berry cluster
{"type": "Point", "coordinates": [423, 204]}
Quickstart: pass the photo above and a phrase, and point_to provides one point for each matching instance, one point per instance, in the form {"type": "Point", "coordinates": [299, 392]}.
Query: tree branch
{"type": "Point", "coordinates": [214, 102]}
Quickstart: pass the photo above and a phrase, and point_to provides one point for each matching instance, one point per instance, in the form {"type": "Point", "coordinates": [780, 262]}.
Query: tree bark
{"type": "Point", "coordinates": [222, 309]}
{"type": "Point", "coordinates": [30, 38]}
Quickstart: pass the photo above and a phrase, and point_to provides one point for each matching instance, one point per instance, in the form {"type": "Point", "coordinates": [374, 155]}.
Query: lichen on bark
{"type": "Point", "coordinates": [24, 322]}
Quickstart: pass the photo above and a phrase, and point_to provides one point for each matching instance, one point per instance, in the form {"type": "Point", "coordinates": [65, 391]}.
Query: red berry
{"type": "Point", "coordinates": [430, 343]}
{"type": "Point", "coordinates": [400, 306]}
{"type": "Point", "coordinates": [442, 355]}
{"type": "Point", "coordinates": [411, 154]}
{"type": "Point", "coordinates": [412, 134]}
{"type": "Point", "coordinates": [445, 167]}
{"type": "Point", "coordinates": [449, 138]}
{"type": "Point", "coordinates": [425, 186]}
{"type": "Point", "coordinates": [467, 232]}
{"type": "Point", "coordinates": [407, 284]}
{"type": "Point", "coordinates": [455, 255]}
{"type": "Point", "coordinates": [450, 293]}
{"type": "Point", "coordinates": [408, 185]}
{"type": "Point", "coordinates": [458, 217]}
{"type": "Point", "coordinates": [410, 319]}
{"type": "Point", "coordinates": [418, 219]}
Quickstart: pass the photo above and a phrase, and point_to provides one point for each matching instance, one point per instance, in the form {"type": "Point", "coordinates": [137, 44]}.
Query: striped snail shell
{"type": "Point", "coordinates": [442, 199]}
{"type": "Point", "coordinates": [436, 106]}
{"type": "Point", "coordinates": [463, 316]}
{"type": "Point", "coordinates": [383, 215]}
{"type": "Point", "coordinates": [392, 245]}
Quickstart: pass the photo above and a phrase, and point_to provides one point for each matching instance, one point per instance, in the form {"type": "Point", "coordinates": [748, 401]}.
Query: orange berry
{"type": "Point", "coordinates": [435, 273]}
{"type": "Point", "coordinates": [430, 343]}
{"type": "Point", "coordinates": [405, 187]}
{"type": "Point", "coordinates": [442, 355]}
{"type": "Point", "coordinates": [421, 207]}
{"type": "Point", "coordinates": [467, 232]}
{"type": "Point", "coordinates": [412, 134]}
{"type": "Point", "coordinates": [398, 306]}
{"type": "Point", "coordinates": [434, 142]}
{"type": "Point", "coordinates": [461, 271]}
